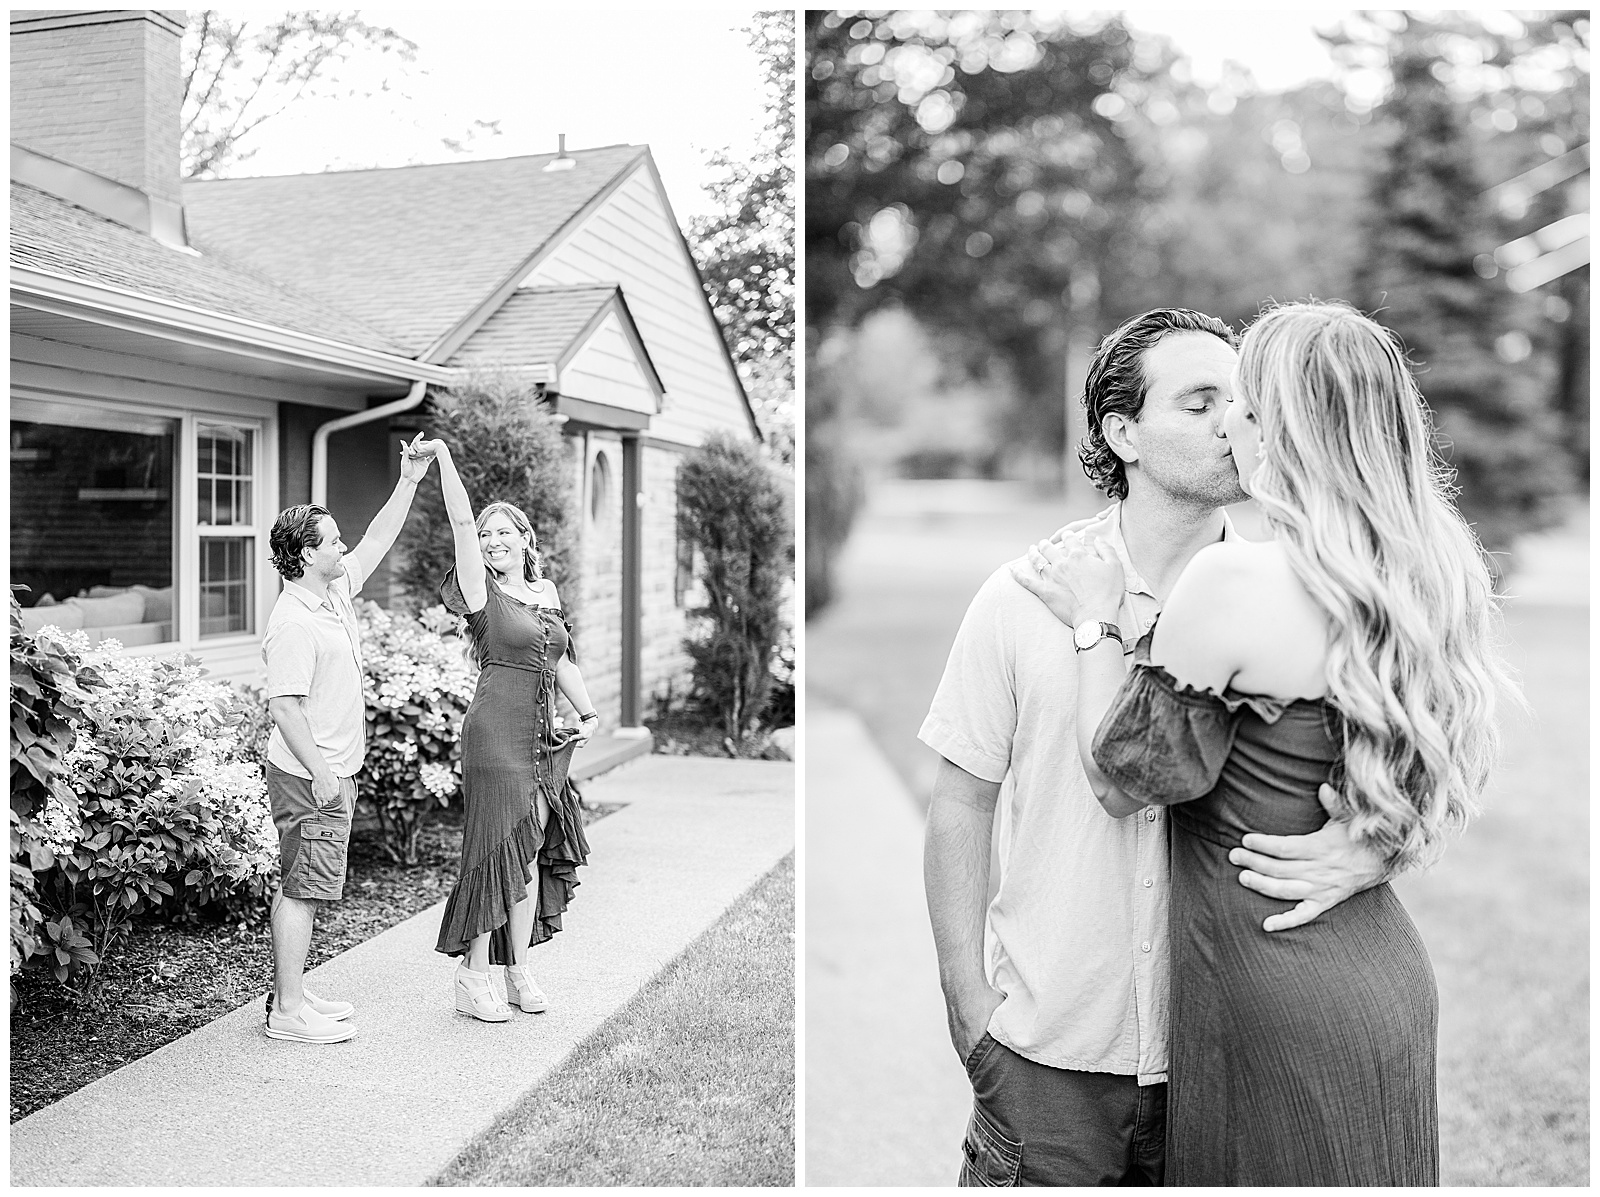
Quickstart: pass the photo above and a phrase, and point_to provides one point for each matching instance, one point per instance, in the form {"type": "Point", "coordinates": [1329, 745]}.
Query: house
{"type": "Point", "coordinates": [190, 358]}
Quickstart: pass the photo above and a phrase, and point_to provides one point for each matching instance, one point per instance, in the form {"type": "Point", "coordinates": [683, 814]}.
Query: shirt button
{"type": "Point", "coordinates": [1147, 883]}
{"type": "Point", "coordinates": [1150, 814]}
{"type": "Point", "coordinates": [1144, 947]}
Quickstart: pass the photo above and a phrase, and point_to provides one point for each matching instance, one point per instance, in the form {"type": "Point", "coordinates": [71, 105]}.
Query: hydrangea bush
{"type": "Point", "coordinates": [49, 685]}
{"type": "Point", "coordinates": [419, 683]}
{"type": "Point", "coordinates": [161, 806]}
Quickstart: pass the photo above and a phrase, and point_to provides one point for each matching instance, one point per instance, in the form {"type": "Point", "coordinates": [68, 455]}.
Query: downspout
{"type": "Point", "coordinates": [319, 439]}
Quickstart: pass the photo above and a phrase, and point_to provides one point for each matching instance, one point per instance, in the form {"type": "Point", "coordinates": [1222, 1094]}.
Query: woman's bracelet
{"type": "Point", "coordinates": [589, 716]}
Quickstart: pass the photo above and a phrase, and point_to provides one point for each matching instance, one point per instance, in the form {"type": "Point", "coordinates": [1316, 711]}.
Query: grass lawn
{"type": "Point", "coordinates": [691, 1083]}
{"type": "Point", "coordinates": [1505, 916]}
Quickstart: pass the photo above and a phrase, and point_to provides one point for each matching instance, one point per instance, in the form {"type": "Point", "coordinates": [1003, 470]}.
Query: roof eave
{"type": "Point", "coordinates": [133, 311]}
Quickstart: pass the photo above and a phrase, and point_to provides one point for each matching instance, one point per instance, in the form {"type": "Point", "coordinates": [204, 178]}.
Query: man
{"type": "Point", "coordinates": [1057, 989]}
{"type": "Point", "coordinates": [312, 649]}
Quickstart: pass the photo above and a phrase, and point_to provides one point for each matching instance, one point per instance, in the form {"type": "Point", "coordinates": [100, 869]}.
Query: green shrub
{"type": "Point", "coordinates": [507, 446]}
{"type": "Point", "coordinates": [731, 507]}
{"type": "Point", "coordinates": [160, 807]}
{"type": "Point", "coordinates": [418, 685]}
{"type": "Point", "coordinates": [49, 686]}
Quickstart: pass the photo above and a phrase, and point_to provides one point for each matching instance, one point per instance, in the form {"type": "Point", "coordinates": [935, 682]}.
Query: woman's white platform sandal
{"type": "Point", "coordinates": [521, 988]}
{"type": "Point", "coordinates": [475, 996]}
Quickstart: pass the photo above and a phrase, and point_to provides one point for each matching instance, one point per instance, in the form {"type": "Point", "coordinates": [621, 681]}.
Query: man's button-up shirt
{"type": "Point", "coordinates": [312, 647]}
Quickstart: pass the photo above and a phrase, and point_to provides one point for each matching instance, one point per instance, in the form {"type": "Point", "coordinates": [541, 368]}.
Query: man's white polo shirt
{"type": "Point", "coordinates": [1076, 935]}
{"type": "Point", "coordinates": [313, 648]}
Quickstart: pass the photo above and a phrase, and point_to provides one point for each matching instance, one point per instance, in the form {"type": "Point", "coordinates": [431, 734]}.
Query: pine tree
{"type": "Point", "coordinates": [1428, 225]}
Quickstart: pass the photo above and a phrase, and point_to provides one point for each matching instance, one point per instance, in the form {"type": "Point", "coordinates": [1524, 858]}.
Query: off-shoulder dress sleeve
{"type": "Point", "coordinates": [456, 603]}
{"type": "Point", "coordinates": [1163, 742]}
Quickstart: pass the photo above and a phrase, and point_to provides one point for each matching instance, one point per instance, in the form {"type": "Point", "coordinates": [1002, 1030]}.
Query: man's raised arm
{"type": "Point", "coordinates": [385, 527]}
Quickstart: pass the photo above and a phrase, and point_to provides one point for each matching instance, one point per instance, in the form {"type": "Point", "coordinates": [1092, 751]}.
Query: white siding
{"type": "Point", "coordinates": [630, 239]}
{"type": "Point", "coordinates": [606, 370]}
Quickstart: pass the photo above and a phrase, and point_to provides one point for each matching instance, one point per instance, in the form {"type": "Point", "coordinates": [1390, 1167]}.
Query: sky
{"type": "Point", "coordinates": [1279, 45]}
{"type": "Point", "coordinates": [684, 82]}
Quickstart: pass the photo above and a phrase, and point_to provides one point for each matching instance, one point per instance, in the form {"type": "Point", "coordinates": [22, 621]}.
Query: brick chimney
{"type": "Point", "coordinates": [101, 91]}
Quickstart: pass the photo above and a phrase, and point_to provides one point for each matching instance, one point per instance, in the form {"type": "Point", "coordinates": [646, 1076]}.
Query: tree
{"type": "Point", "coordinates": [1429, 237]}
{"type": "Point", "coordinates": [746, 250]}
{"type": "Point", "coordinates": [980, 169]}
{"type": "Point", "coordinates": [731, 508]}
{"type": "Point", "coordinates": [507, 445]}
{"type": "Point", "coordinates": [237, 75]}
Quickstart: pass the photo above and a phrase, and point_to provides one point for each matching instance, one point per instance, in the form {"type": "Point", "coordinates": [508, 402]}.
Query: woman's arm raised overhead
{"type": "Point", "coordinates": [470, 570]}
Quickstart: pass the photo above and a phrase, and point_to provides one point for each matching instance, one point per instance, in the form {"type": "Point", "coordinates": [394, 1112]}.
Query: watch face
{"type": "Point", "coordinates": [1087, 634]}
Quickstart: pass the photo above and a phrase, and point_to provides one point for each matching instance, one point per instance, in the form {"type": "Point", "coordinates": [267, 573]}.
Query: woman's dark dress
{"type": "Point", "coordinates": [1299, 1057]}
{"type": "Point", "coordinates": [512, 751]}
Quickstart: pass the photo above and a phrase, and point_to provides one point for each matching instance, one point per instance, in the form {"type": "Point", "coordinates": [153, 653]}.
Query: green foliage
{"type": "Point", "coordinates": [746, 251]}
{"type": "Point", "coordinates": [976, 168]}
{"type": "Point", "coordinates": [49, 686]}
{"type": "Point", "coordinates": [507, 446]}
{"type": "Point", "coordinates": [1430, 231]}
{"type": "Point", "coordinates": [834, 486]}
{"type": "Point", "coordinates": [169, 812]}
{"type": "Point", "coordinates": [732, 508]}
{"type": "Point", "coordinates": [418, 686]}
{"type": "Point", "coordinates": [235, 75]}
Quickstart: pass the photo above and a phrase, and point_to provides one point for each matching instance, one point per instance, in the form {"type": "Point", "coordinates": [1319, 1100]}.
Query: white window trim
{"type": "Point", "coordinates": [260, 418]}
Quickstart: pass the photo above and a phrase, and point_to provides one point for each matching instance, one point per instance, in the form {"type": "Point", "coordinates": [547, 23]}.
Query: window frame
{"type": "Point", "coordinates": [258, 416]}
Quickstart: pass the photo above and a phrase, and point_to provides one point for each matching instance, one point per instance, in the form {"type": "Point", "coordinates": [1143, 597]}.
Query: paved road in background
{"type": "Point", "coordinates": [1514, 997]}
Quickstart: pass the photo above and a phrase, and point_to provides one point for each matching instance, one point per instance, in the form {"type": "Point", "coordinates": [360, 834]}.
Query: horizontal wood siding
{"type": "Point", "coordinates": [630, 240]}
{"type": "Point", "coordinates": [606, 370]}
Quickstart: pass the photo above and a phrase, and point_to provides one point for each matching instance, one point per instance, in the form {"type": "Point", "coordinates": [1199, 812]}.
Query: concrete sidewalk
{"type": "Point", "coordinates": [886, 1099]}
{"type": "Point", "coordinates": [228, 1106]}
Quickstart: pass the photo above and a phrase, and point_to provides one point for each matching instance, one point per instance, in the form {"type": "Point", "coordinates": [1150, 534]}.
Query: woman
{"type": "Point", "coordinates": [523, 839]}
{"type": "Point", "coordinates": [1353, 648]}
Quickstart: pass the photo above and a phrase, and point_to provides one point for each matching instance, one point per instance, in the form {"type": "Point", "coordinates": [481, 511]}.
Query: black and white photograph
{"type": "Point", "coordinates": [1196, 583]}
{"type": "Point", "coordinates": [403, 598]}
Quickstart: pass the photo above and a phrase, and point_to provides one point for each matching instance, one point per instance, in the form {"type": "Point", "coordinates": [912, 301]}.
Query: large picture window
{"type": "Point", "coordinates": [137, 526]}
{"type": "Point", "coordinates": [93, 520]}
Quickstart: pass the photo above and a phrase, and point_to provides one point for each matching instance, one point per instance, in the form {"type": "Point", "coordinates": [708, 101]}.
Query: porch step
{"type": "Point", "coordinates": [604, 753]}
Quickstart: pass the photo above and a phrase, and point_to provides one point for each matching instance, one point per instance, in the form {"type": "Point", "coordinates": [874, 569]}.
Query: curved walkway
{"type": "Point", "coordinates": [228, 1106]}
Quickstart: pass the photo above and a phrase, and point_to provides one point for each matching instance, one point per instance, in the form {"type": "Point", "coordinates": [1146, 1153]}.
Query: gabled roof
{"type": "Point", "coordinates": [411, 250]}
{"type": "Point", "coordinates": [52, 235]}
{"type": "Point", "coordinates": [536, 325]}
{"type": "Point", "coordinates": [548, 325]}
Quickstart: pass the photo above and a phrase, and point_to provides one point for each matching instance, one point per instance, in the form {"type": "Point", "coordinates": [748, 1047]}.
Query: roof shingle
{"type": "Point", "coordinates": [52, 235]}
{"type": "Point", "coordinates": [536, 324]}
{"type": "Point", "coordinates": [410, 250]}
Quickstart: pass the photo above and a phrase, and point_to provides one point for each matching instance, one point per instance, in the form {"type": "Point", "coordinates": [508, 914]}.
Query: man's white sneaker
{"type": "Point", "coordinates": [323, 1006]}
{"type": "Point", "coordinates": [305, 1025]}
{"type": "Point", "coordinates": [521, 988]}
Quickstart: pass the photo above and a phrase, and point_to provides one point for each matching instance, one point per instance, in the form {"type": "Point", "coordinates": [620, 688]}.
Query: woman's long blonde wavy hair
{"type": "Point", "coordinates": [1349, 481]}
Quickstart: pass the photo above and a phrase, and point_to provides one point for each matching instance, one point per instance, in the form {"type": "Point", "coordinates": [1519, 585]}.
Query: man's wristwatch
{"type": "Point", "coordinates": [1092, 631]}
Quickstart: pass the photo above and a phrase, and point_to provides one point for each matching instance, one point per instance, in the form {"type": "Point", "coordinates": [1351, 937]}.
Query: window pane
{"type": "Point", "coordinates": [92, 521]}
{"type": "Point", "coordinates": [225, 464]}
{"type": "Point", "coordinates": [227, 585]}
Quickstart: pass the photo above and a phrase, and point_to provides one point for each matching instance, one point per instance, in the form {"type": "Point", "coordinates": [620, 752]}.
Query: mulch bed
{"type": "Point", "coordinates": [167, 980]}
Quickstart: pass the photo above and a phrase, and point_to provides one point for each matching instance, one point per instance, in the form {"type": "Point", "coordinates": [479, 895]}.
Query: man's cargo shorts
{"type": "Point", "coordinates": [313, 841]}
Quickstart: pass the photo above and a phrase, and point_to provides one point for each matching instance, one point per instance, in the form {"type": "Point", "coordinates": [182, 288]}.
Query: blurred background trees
{"type": "Point", "coordinates": [989, 193]}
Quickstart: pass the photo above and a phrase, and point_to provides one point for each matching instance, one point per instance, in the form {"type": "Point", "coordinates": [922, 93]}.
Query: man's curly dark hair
{"type": "Point", "coordinates": [295, 530]}
{"type": "Point", "coordinates": [1116, 383]}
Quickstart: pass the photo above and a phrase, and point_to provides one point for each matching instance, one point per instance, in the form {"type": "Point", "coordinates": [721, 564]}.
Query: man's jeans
{"type": "Point", "coordinates": [1036, 1125]}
